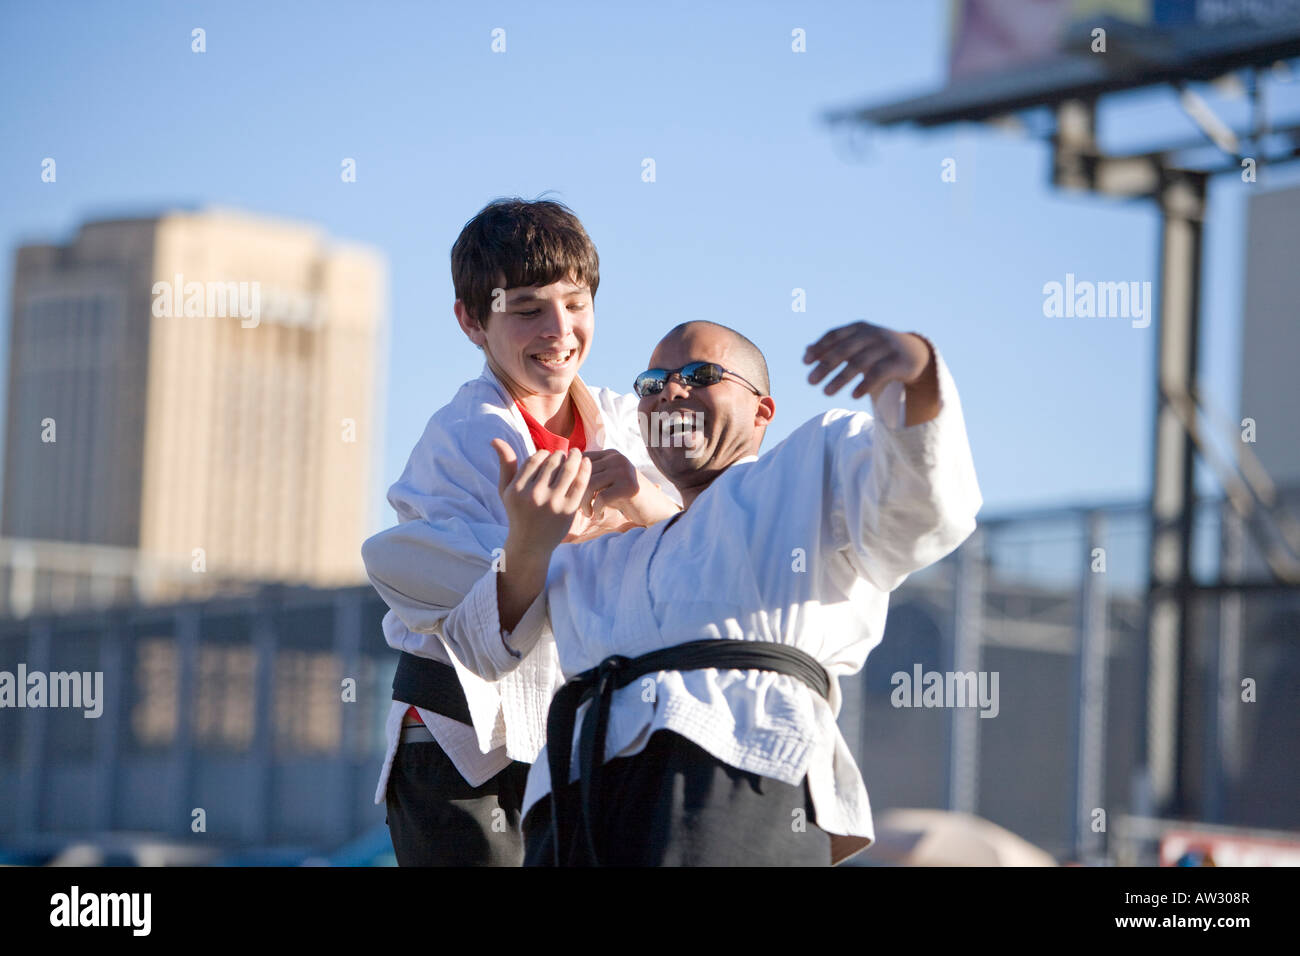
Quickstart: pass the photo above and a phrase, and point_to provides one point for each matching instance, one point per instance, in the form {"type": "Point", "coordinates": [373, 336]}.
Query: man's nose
{"type": "Point", "coordinates": [673, 388]}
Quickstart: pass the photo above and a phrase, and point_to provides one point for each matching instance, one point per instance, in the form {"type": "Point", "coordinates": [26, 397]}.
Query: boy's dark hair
{"type": "Point", "coordinates": [519, 242]}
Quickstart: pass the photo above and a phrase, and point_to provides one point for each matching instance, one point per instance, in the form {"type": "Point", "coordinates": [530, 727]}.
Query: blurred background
{"type": "Point", "coordinates": [227, 229]}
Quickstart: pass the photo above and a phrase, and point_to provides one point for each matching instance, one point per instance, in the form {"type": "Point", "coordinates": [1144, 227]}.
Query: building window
{"type": "Point", "coordinates": [307, 701]}
{"type": "Point", "coordinates": [156, 680]}
{"type": "Point", "coordinates": [226, 697]}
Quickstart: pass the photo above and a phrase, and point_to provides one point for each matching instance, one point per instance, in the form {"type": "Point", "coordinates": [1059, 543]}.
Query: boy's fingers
{"type": "Point", "coordinates": [543, 475]}
{"type": "Point", "coordinates": [578, 488]}
{"type": "Point", "coordinates": [525, 471]}
{"type": "Point", "coordinates": [507, 460]}
{"type": "Point", "coordinates": [566, 465]}
{"type": "Point", "coordinates": [568, 470]}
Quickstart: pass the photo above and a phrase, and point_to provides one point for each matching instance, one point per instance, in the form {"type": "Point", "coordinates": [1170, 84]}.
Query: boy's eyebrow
{"type": "Point", "coordinates": [532, 296]}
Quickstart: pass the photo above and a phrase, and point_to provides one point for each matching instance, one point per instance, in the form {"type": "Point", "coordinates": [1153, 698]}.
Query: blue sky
{"type": "Point", "coordinates": [754, 195]}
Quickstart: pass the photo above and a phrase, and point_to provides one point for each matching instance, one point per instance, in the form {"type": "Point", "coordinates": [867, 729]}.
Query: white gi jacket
{"type": "Point", "coordinates": [801, 546]}
{"type": "Point", "coordinates": [448, 502]}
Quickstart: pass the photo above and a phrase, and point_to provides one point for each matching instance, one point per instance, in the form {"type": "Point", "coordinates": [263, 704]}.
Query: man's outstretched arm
{"type": "Point", "coordinates": [903, 486]}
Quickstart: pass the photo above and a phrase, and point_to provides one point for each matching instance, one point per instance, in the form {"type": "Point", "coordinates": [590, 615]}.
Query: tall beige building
{"type": "Point", "coordinates": [201, 387]}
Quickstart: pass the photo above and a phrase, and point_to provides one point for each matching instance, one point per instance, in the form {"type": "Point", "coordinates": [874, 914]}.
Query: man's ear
{"type": "Point", "coordinates": [473, 331]}
{"type": "Point", "coordinates": [763, 415]}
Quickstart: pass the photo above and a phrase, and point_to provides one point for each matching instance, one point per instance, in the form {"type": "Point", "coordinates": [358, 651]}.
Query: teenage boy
{"type": "Point", "coordinates": [525, 276]}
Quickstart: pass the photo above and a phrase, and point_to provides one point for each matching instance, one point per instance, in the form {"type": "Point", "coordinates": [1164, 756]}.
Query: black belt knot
{"type": "Point", "coordinates": [606, 668]}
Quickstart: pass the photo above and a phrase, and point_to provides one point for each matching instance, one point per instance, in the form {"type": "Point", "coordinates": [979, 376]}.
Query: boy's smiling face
{"type": "Point", "coordinates": [539, 342]}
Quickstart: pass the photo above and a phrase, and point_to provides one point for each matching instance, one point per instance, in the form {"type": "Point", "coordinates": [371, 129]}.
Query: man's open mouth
{"type": "Point", "coordinates": [555, 359]}
{"type": "Point", "coordinates": [684, 429]}
{"type": "Point", "coordinates": [681, 429]}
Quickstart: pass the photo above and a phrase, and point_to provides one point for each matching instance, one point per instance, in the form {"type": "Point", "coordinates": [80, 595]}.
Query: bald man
{"type": "Point", "coordinates": [703, 653]}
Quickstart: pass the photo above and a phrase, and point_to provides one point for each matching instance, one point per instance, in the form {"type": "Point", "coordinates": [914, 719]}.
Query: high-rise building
{"type": "Point", "coordinates": [199, 387]}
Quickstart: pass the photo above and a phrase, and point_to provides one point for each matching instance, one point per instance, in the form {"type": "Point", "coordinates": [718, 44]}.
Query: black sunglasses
{"type": "Point", "coordinates": [696, 374]}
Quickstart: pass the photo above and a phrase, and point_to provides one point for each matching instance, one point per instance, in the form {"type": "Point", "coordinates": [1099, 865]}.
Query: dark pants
{"type": "Point", "coordinates": [436, 818]}
{"type": "Point", "coordinates": [675, 804]}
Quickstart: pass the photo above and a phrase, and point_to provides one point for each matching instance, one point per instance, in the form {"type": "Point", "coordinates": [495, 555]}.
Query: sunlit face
{"type": "Point", "coordinates": [730, 418]}
{"type": "Point", "coordinates": [539, 342]}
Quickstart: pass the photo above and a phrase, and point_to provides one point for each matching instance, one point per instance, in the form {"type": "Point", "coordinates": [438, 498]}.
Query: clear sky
{"type": "Point", "coordinates": [754, 195]}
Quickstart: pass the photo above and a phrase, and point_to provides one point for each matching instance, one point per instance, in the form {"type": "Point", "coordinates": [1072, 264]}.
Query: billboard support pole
{"type": "Point", "coordinates": [1181, 198]}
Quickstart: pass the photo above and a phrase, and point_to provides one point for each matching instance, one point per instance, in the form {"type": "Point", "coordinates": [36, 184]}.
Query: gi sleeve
{"type": "Point", "coordinates": [901, 498]}
{"type": "Point", "coordinates": [452, 533]}
{"type": "Point", "coordinates": [410, 567]}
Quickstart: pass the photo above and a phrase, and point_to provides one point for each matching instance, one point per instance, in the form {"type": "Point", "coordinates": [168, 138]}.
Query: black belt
{"type": "Point", "coordinates": [432, 685]}
{"type": "Point", "coordinates": [599, 684]}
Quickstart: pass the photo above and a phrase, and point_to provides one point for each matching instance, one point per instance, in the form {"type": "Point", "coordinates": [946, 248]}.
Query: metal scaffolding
{"type": "Point", "coordinates": [1070, 90]}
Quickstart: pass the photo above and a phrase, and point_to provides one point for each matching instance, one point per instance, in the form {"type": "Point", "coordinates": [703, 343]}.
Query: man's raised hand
{"type": "Point", "coordinates": [616, 482]}
{"type": "Point", "coordinates": [878, 354]}
{"type": "Point", "coordinates": [541, 495]}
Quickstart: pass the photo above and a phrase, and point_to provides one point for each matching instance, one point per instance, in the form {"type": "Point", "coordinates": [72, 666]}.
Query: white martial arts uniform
{"type": "Point", "coordinates": [448, 496]}
{"type": "Point", "coordinates": [800, 546]}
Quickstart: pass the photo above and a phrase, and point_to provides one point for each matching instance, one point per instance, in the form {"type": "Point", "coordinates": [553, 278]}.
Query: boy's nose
{"type": "Point", "coordinates": [558, 320]}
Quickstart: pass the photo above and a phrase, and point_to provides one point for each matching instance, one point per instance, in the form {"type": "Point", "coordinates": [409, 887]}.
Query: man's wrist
{"type": "Point", "coordinates": [649, 504]}
{"type": "Point", "coordinates": [922, 401]}
{"type": "Point", "coordinates": [929, 367]}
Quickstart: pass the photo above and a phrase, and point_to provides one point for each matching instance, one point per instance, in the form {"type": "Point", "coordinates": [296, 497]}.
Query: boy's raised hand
{"type": "Point", "coordinates": [540, 496]}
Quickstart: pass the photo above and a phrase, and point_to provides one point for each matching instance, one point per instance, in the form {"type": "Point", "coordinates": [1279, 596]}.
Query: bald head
{"type": "Point", "coordinates": [745, 357]}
